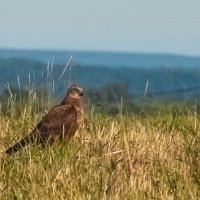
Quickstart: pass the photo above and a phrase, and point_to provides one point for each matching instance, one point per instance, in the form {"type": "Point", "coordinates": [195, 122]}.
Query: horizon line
{"type": "Point", "coordinates": [101, 51]}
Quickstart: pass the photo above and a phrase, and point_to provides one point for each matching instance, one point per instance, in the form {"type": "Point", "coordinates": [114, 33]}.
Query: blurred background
{"type": "Point", "coordinates": [136, 51]}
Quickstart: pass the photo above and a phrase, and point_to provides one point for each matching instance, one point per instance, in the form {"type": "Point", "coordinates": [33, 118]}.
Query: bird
{"type": "Point", "coordinates": [60, 123]}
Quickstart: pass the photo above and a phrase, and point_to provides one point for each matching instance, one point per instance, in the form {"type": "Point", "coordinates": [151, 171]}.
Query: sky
{"type": "Point", "coordinates": [150, 26]}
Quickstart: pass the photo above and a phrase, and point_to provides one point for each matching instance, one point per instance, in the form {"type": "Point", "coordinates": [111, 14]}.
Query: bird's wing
{"type": "Point", "coordinates": [57, 117]}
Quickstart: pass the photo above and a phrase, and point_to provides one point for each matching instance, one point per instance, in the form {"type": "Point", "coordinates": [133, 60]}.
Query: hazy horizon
{"type": "Point", "coordinates": [170, 27]}
{"type": "Point", "coordinates": [99, 51]}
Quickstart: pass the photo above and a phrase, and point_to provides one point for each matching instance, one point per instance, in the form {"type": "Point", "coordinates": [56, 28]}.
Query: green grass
{"type": "Point", "coordinates": [126, 156]}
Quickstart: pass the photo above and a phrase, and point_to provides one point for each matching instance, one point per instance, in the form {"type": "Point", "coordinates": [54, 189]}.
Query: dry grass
{"type": "Point", "coordinates": [119, 157]}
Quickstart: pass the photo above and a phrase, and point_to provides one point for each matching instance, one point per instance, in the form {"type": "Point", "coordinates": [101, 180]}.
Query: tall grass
{"type": "Point", "coordinates": [151, 155]}
{"type": "Point", "coordinates": [124, 156]}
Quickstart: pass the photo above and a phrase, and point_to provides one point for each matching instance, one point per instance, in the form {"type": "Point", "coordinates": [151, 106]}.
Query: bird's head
{"type": "Point", "coordinates": [75, 92]}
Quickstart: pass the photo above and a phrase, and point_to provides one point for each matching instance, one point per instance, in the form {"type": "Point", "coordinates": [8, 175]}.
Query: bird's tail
{"type": "Point", "coordinates": [18, 146]}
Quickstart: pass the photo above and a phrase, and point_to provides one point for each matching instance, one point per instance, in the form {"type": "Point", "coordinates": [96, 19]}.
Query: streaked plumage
{"type": "Point", "coordinates": [60, 123]}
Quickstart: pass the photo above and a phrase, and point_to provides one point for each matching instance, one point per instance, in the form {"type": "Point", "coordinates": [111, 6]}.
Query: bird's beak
{"type": "Point", "coordinates": [81, 94]}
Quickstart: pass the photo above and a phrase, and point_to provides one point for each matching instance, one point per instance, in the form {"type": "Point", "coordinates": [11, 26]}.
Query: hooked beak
{"type": "Point", "coordinates": [81, 93]}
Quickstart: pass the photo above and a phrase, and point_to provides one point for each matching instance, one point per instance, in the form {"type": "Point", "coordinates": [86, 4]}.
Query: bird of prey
{"type": "Point", "coordinates": [60, 123]}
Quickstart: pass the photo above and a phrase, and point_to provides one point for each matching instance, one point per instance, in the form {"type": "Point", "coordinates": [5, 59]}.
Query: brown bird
{"type": "Point", "coordinates": [60, 123]}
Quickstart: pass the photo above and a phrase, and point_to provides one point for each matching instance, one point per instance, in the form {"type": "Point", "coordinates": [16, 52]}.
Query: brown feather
{"type": "Point", "coordinates": [61, 122]}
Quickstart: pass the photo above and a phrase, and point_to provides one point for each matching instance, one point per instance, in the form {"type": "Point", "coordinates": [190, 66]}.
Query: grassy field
{"type": "Point", "coordinates": [126, 156]}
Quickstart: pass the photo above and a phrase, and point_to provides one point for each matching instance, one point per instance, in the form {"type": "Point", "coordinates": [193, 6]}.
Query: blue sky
{"type": "Point", "coordinates": [171, 26]}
